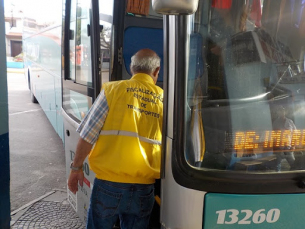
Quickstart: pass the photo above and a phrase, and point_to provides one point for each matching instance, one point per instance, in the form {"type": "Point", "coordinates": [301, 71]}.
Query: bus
{"type": "Point", "coordinates": [233, 79]}
{"type": "Point", "coordinates": [42, 39]}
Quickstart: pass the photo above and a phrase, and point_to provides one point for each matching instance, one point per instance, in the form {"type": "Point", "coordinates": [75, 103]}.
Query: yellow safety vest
{"type": "Point", "coordinates": [128, 149]}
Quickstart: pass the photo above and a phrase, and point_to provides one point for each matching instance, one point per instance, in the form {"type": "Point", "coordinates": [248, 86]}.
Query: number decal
{"type": "Point", "coordinates": [259, 217]}
{"type": "Point", "coordinates": [86, 168]}
{"type": "Point", "coordinates": [273, 215]}
{"type": "Point", "coordinates": [232, 216]}
{"type": "Point", "coordinates": [245, 219]}
{"type": "Point", "coordinates": [221, 216]}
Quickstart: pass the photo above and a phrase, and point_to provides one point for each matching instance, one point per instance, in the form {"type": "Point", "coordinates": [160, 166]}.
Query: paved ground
{"type": "Point", "coordinates": [37, 160]}
{"type": "Point", "coordinates": [49, 211]}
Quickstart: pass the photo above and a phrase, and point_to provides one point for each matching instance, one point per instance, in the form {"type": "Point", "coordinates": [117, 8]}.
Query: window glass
{"type": "Point", "coordinates": [245, 86]}
{"type": "Point", "coordinates": [82, 44]}
{"type": "Point", "coordinates": [76, 104]}
{"type": "Point", "coordinates": [72, 52]}
{"type": "Point", "coordinates": [106, 38]}
{"type": "Point", "coordinates": [106, 7]}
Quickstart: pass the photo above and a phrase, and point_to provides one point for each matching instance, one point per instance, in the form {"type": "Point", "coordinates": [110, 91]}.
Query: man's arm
{"type": "Point", "coordinates": [89, 130]}
{"type": "Point", "coordinates": [82, 150]}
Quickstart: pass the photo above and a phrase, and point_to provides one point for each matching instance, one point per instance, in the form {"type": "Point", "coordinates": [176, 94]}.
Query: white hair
{"type": "Point", "coordinates": [146, 64]}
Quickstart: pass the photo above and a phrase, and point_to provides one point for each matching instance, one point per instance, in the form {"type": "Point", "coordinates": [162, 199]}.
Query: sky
{"type": "Point", "coordinates": [28, 7]}
{"type": "Point", "coordinates": [8, 4]}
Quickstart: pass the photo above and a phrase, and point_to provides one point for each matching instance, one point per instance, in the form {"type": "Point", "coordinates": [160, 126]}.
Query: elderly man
{"type": "Point", "coordinates": [122, 135]}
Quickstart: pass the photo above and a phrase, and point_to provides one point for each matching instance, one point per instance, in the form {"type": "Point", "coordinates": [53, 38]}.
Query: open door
{"type": "Point", "coordinates": [81, 83]}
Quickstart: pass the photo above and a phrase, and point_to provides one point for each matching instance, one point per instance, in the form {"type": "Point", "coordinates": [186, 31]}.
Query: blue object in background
{"type": "Point", "coordinates": [14, 64]}
{"type": "Point", "coordinates": [136, 38]}
{"type": "Point", "coordinates": [195, 59]}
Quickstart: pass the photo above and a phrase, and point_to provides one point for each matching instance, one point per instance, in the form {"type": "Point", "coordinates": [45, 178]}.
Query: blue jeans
{"type": "Point", "coordinates": [131, 203]}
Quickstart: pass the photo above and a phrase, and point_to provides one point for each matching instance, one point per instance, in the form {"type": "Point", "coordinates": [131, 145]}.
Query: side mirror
{"type": "Point", "coordinates": [175, 6]}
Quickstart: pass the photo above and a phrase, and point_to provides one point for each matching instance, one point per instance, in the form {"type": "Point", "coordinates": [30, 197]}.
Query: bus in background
{"type": "Point", "coordinates": [42, 28]}
{"type": "Point", "coordinates": [233, 79]}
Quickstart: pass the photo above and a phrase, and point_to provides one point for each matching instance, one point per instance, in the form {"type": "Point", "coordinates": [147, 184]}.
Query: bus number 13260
{"type": "Point", "coordinates": [260, 216]}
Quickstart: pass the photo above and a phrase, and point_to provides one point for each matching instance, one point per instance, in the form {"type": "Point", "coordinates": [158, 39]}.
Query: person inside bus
{"type": "Point", "coordinates": [284, 152]}
{"type": "Point", "coordinates": [122, 136]}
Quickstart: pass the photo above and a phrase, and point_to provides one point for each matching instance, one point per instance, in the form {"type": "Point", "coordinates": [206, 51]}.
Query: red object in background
{"type": "Point", "coordinates": [87, 182]}
{"type": "Point", "coordinates": [79, 52]}
{"type": "Point", "coordinates": [256, 12]}
{"type": "Point", "coordinates": [256, 9]}
{"type": "Point", "coordinates": [222, 4]}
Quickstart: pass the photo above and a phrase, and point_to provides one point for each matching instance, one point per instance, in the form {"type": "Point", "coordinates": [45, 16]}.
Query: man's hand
{"type": "Point", "coordinates": [75, 177]}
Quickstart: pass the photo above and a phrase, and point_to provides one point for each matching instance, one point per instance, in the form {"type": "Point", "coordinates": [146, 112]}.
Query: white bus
{"type": "Point", "coordinates": [42, 40]}
{"type": "Point", "coordinates": [233, 80]}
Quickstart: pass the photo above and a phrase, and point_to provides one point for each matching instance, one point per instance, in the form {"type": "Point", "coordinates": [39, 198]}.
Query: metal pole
{"type": "Point", "coordinates": [4, 136]}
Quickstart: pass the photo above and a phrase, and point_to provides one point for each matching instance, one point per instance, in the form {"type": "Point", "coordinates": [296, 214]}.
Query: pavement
{"type": "Point", "coordinates": [51, 210]}
{"type": "Point", "coordinates": [15, 70]}
{"type": "Point", "coordinates": [38, 192]}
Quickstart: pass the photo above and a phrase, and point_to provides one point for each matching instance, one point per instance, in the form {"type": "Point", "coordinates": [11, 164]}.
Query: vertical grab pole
{"type": "Point", "coordinates": [4, 138]}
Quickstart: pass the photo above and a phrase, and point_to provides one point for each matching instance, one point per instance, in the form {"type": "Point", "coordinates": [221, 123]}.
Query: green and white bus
{"type": "Point", "coordinates": [234, 101]}
{"type": "Point", "coordinates": [42, 37]}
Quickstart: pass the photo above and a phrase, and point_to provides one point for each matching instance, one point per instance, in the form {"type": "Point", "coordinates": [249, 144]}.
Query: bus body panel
{"type": "Point", "coordinates": [180, 207]}
{"type": "Point", "coordinates": [233, 211]}
{"type": "Point", "coordinates": [171, 77]}
{"type": "Point", "coordinates": [79, 201]}
{"type": "Point", "coordinates": [243, 86]}
{"type": "Point", "coordinates": [46, 87]}
{"type": "Point", "coordinates": [177, 202]}
{"type": "Point", "coordinates": [42, 57]}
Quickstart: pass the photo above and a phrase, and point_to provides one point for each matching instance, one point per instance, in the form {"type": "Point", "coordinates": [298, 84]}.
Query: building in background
{"type": "Point", "coordinates": [13, 27]}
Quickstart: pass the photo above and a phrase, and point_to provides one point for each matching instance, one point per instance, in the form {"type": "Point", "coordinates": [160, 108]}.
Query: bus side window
{"type": "Point", "coordinates": [196, 91]}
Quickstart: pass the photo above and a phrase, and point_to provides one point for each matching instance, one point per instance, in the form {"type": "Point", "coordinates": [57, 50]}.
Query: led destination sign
{"type": "Point", "coordinates": [247, 140]}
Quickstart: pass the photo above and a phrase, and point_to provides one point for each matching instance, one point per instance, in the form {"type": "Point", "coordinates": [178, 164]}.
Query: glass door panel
{"type": "Point", "coordinates": [82, 44]}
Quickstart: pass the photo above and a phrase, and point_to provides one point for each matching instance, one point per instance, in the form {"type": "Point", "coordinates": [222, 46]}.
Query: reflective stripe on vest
{"type": "Point", "coordinates": [130, 134]}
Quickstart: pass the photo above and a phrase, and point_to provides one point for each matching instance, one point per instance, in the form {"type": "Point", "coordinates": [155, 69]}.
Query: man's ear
{"type": "Point", "coordinates": [132, 73]}
{"type": "Point", "coordinates": [156, 72]}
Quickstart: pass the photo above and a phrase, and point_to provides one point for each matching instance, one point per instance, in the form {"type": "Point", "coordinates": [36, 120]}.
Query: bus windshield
{"type": "Point", "coordinates": [245, 86]}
